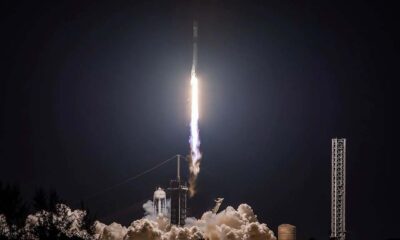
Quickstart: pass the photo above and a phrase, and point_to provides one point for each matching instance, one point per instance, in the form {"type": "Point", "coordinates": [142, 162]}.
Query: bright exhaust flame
{"type": "Point", "coordinates": [194, 134]}
{"type": "Point", "coordinates": [195, 155]}
{"type": "Point", "coordinates": [194, 127]}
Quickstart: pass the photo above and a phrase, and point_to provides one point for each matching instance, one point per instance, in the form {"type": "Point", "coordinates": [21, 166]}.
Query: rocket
{"type": "Point", "coordinates": [194, 121]}
{"type": "Point", "coordinates": [195, 34]}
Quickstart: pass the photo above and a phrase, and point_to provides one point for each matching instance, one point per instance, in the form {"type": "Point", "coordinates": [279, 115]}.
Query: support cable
{"type": "Point", "coordinates": [131, 178]}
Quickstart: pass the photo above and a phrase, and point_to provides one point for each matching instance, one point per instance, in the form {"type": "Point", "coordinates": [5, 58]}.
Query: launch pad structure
{"type": "Point", "coordinates": [178, 192]}
{"type": "Point", "coordinates": [178, 189]}
{"type": "Point", "coordinates": [338, 188]}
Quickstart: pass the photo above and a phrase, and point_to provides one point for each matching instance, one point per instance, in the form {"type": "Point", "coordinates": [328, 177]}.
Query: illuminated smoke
{"type": "Point", "coordinates": [229, 224]}
{"type": "Point", "coordinates": [194, 141]}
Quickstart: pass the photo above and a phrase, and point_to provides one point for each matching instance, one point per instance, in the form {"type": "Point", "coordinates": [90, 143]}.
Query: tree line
{"type": "Point", "coordinates": [46, 216]}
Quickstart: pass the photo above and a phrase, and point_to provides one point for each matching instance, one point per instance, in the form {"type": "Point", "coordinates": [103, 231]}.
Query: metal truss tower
{"type": "Point", "coordinates": [178, 192]}
{"type": "Point", "coordinates": [338, 188]}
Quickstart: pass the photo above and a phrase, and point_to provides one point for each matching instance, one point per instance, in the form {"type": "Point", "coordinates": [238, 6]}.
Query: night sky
{"type": "Point", "coordinates": [94, 93]}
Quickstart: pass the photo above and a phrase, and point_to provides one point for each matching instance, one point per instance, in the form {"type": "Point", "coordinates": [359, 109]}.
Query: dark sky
{"type": "Point", "coordinates": [93, 93]}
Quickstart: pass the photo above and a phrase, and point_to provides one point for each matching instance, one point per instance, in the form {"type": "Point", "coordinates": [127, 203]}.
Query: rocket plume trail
{"type": "Point", "coordinates": [194, 126]}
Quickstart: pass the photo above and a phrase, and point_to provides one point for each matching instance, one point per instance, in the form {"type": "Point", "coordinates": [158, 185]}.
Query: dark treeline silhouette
{"type": "Point", "coordinates": [12, 205]}
{"type": "Point", "coordinates": [44, 201]}
{"type": "Point", "coordinates": [47, 204]}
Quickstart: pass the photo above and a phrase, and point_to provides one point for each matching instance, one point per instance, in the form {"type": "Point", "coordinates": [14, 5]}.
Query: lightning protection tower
{"type": "Point", "coordinates": [338, 188]}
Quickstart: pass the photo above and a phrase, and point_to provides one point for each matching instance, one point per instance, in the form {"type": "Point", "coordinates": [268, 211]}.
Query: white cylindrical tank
{"type": "Point", "coordinates": [160, 202]}
{"type": "Point", "coordinates": [286, 232]}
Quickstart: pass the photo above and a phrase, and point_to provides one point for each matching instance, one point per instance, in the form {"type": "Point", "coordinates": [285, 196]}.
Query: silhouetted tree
{"type": "Point", "coordinates": [48, 230]}
{"type": "Point", "coordinates": [54, 199]}
{"type": "Point", "coordinates": [12, 206]}
{"type": "Point", "coordinates": [46, 201]}
{"type": "Point", "coordinates": [51, 220]}
{"type": "Point", "coordinates": [40, 200]}
{"type": "Point", "coordinates": [56, 225]}
{"type": "Point", "coordinates": [88, 220]}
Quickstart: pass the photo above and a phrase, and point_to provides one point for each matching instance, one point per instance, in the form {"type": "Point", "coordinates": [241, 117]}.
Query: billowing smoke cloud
{"type": "Point", "coordinates": [148, 208]}
{"type": "Point", "coordinates": [229, 224]}
{"type": "Point", "coordinates": [4, 228]}
{"type": "Point", "coordinates": [149, 212]}
{"type": "Point", "coordinates": [67, 222]}
{"type": "Point", "coordinates": [114, 231]}
{"type": "Point", "coordinates": [194, 168]}
{"type": "Point", "coordinates": [64, 219]}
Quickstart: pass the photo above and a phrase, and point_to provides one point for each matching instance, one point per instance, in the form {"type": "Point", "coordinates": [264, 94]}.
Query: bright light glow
{"type": "Point", "coordinates": [194, 126]}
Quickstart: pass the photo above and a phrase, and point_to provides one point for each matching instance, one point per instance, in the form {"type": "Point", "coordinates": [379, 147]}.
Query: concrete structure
{"type": "Point", "coordinates": [286, 232]}
{"type": "Point", "coordinates": [178, 191]}
{"type": "Point", "coordinates": [338, 189]}
{"type": "Point", "coordinates": [160, 202]}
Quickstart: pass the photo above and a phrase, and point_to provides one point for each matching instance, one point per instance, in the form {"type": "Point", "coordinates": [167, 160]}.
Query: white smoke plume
{"type": "Point", "coordinates": [114, 231]}
{"type": "Point", "coordinates": [4, 228]}
{"type": "Point", "coordinates": [194, 169]}
{"type": "Point", "coordinates": [229, 224]}
{"type": "Point", "coordinates": [148, 208]}
{"type": "Point", "coordinates": [64, 219]}
{"type": "Point", "coordinates": [149, 211]}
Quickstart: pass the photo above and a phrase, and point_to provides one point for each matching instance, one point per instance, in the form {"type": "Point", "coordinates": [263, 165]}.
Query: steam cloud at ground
{"type": "Point", "coordinates": [232, 224]}
{"type": "Point", "coordinates": [229, 224]}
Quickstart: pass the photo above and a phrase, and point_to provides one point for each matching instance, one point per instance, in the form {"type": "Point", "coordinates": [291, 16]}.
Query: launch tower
{"type": "Point", "coordinates": [338, 196]}
{"type": "Point", "coordinates": [178, 191]}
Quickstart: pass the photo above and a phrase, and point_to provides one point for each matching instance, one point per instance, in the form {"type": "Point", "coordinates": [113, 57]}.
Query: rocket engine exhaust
{"type": "Point", "coordinates": [194, 140]}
